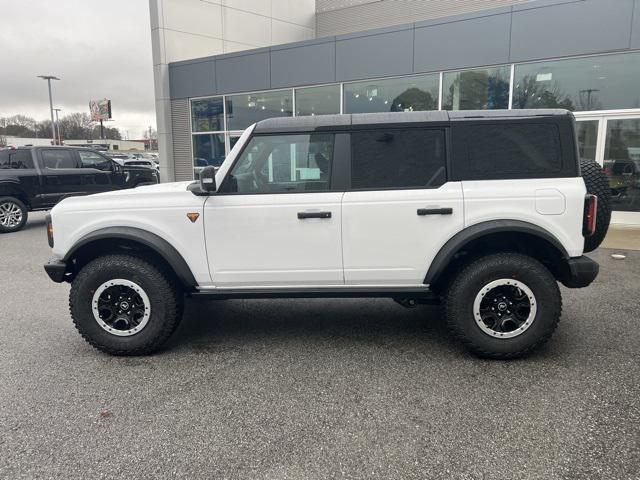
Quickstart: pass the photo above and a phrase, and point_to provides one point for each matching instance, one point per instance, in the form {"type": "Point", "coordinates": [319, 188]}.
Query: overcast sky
{"type": "Point", "coordinates": [98, 48]}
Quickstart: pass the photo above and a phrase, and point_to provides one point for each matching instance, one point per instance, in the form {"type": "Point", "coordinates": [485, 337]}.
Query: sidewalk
{"type": "Point", "coordinates": [622, 237]}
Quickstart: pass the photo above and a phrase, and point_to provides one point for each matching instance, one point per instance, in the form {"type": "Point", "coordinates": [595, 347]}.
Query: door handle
{"type": "Point", "coordinates": [435, 211]}
{"type": "Point", "coordinates": [304, 215]}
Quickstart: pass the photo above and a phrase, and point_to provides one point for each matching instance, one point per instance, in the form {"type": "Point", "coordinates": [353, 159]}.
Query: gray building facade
{"type": "Point", "coordinates": [583, 55]}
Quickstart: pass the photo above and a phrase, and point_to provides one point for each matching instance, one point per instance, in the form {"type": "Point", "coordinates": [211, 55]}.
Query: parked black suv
{"type": "Point", "coordinates": [36, 178]}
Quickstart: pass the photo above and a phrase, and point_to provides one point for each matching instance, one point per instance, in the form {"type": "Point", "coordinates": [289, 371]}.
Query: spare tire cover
{"type": "Point", "coordinates": [597, 184]}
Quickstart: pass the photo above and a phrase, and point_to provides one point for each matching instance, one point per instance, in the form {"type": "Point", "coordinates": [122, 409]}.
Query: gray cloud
{"type": "Point", "coordinates": [99, 48]}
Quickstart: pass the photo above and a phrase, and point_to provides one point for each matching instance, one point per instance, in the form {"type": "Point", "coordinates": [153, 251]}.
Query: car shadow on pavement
{"type": "Point", "coordinates": [216, 325]}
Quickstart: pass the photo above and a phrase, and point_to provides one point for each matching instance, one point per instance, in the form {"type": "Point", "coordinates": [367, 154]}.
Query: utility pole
{"type": "Point", "coordinates": [48, 78]}
{"type": "Point", "coordinates": [58, 125]}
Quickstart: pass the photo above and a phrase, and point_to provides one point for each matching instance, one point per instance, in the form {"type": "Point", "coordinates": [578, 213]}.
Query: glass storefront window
{"type": "Point", "coordinates": [622, 163]}
{"type": "Point", "coordinates": [419, 92]}
{"type": "Point", "coordinates": [249, 108]}
{"type": "Point", "coordinates": [480, 89]}
{"type": "Point", "coordinates": [603, 82]}
{"type": "Point", "coordinates": [208, 149]}
{"type": "Point", "coordinates": [207, 115]}
{"type": "Point", "coordinates": [587, 132]}
{"type": "Point", "coordinates": [318, 100]}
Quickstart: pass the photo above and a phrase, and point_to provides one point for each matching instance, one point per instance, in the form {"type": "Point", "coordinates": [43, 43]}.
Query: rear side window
{"type": "Point", "coordinates": [397, 158]}
{"type": "Point", "coordinates": [15, 159]}
{"type": "Point", "coordinates": [55, 158]}
{"type": "Point", "coordinates": [507, 150]}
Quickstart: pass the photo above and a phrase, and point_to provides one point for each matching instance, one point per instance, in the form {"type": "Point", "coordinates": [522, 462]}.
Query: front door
{"type": "Point", "coordinates": [401, 209]}
{"type": "Point", "coordinates": [276, 219]}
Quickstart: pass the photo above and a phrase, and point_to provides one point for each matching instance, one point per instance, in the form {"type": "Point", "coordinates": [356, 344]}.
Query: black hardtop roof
{"type": "Point", "coordinates": [441, 116]}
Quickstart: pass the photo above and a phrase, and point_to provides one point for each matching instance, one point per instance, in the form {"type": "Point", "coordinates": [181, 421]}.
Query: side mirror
{"type": "Point", "coordinates": [208, 180]}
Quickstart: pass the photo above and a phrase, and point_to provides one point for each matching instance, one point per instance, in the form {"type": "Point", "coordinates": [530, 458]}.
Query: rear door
{"type": "Point", "coordinates": [400, 209]}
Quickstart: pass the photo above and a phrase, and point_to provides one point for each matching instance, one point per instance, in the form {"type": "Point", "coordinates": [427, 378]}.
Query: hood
{"type": "Point", "coordinates": [158, 188]}
{"type": "Point", "coordinates": [162, 195]}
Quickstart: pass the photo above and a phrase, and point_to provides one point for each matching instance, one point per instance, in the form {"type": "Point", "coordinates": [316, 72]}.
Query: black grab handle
{"type": "Point", "coordinates": [435, 211]}
{"type": "Point", "coordinates": [303, 215]}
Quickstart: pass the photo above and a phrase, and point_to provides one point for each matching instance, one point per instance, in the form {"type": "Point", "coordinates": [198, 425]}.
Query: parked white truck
{"type": "Point", "coordinates": [484, 211]}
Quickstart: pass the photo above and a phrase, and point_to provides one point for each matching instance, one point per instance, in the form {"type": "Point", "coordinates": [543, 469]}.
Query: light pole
{"type": "Point", "coordinates": [58, 125]}
{"type": "Point", "coordinates": [48, 78]}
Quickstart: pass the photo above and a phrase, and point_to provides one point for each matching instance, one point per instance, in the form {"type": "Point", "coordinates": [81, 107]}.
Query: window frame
{"type": "Point", "coordinates": [441, 126]}
{"type": "Point", "coordinates": [338, 176]}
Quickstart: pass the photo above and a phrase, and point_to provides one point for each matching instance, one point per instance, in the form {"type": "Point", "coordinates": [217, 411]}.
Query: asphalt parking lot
{"type": "Point", "coordinates": [315, 389]}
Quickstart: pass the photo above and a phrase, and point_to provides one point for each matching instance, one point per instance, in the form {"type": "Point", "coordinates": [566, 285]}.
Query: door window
{"type": "Point", "coordinates": [94, 160]}
{"type": "Point", "coordinates": [55, 158]}
{"type": "Point", "coordinates": [390, 158]}
{"type": "Point", "coordinates": [283, 163]}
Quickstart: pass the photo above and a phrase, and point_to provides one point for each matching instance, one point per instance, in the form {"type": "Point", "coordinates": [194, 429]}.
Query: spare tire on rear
{"type": "Point", "coordinates": [597, 184]}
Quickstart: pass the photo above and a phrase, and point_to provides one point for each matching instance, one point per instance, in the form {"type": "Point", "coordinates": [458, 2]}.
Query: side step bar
{"type": "Point", "coordinates": [420, 295]}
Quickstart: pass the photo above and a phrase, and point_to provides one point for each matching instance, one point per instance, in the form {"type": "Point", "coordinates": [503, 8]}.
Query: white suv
{"type": "Point", "coordinates": [484, 211]}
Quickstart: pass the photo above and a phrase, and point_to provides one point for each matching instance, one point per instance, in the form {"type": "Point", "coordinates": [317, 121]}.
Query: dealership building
{"type": "Point", "coordinates": [221, 65]}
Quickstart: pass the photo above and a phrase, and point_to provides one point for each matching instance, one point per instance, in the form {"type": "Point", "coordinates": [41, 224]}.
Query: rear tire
{"type": "Point", "coordinates": [597, 184]}
{"type": "Point", "coordinates": [124, 305]}
{"type": "Point", "coordinates": [13, 214]}
{"type": "Point", "coordinates": [523, 286]}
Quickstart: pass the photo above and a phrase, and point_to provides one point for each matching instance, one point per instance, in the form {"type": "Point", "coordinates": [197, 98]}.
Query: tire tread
{"type": "Point", "coordinates": [165, 284]}
{"type": "Point", "coordinates": [452, 314]}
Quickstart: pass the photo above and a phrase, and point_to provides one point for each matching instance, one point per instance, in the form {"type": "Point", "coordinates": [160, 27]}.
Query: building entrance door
{"type": "Point", "coordinates": [614, 142]}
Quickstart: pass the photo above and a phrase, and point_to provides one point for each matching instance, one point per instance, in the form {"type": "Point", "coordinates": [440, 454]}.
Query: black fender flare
{"type": "Point", "coordinates": [156, 243]}
{"type": "Point", "coordinates": [469, 234]}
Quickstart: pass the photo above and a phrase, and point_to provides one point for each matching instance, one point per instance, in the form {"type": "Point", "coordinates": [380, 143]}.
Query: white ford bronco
{"type": "Point", "coordinates": [483, 211]}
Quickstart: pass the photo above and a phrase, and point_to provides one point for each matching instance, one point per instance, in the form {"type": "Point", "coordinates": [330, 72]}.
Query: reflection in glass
{"type": "Point", "coordinates": [587, 132]}
{"type": "Point", "coordinates": [419, 92]}
{"type": "Point", "coordinates": [207, 115]}
{"type": "Point", "coordinates": [622, 163]}
{"type": "Point", "coordinates": [594, 83]}
{"type": "Point", "coordinates": [207, 150]}
{"type": "Point", "coordinates": [318, 100]}
{"type": "Point", "coordinates": [247, 109]}
{"type": "Point", "coordinates": [481, 89]}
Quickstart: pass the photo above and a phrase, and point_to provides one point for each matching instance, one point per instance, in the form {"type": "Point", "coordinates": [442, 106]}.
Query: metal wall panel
{"type": "Point", "coordinates": [571, 29]}
{"type": "Point", "coordinates": [635, 26]}
{"type": "Point", "coordinates": [384, 13]}
{"type": "Point", "coordinates": [303, 65]}
{"type": "Point", "coordinates": [192, 79]}
{"type": "Point", "coordinates": [244, 72]}
{"type": "Point", "coordinates": [375, 55]}
{"type": "Point", "coordinates": [527, 31]}
{"type": "Point", "coordinates": [182, 157]}
{"type": "Point", "coordinates": [469, 43]}
{"type": "Point", "coordinates": [329, 5]}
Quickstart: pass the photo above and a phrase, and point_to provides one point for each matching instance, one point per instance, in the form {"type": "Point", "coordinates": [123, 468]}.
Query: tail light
{"type": "Point", "coordinates": [49, 231]}
{"type": "Point", "coordinates": [590, 209]}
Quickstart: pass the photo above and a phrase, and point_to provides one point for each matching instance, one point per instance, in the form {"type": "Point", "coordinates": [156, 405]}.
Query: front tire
{"type": "Point", "coordinates": [503, 306]}
{"type": "Point", "coordinates": [124, 305]}
{"type": "Point", "coordinates": [13, 214]}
